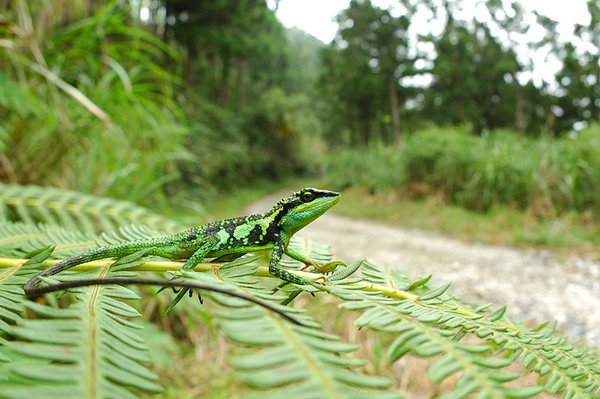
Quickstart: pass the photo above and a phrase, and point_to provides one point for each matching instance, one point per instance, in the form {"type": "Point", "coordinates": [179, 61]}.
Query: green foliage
{"type": "Point", "coordinates": [87, 103]}
{"type": "Point", "coordinates": [93, 343]}
{"type": "Point", "coordinates": [89, 348]}
{"type": "Point", "coordinates": [232, 50]}
{"type": "Point", "coordinates": [378, 167]}
{"type": "Point", "coordinates": [249, 113]}
{"type": "Point", "coordinates": [479, 70]}
{"type": "Point", "coordinates": [435, 324]}
{"type": "Point", "coordinates": [470, 83]}
{"type": "Point", "coordinates": [579, 163]}
{"type": "Point", "coordinates": [11, 283]}
{"type": "Point", "coordinates": [74, 210]}
{"type": "Point", "coordinates": [276, 137]}
{"type": "Point", "coordinates": [579, 77]}
{"type": "Point", "coordinates": [360, 73]}
{"type": "Point", "coordinates": [20, 239]}
{"type": "Point", "coordinates": [107, 90]}
{"type": "Point", "coordinates": [281, 359]}
{"type": "Point", "coordinates": [304, 61]}
{"type": "Point", "coordinates": [545, 175]}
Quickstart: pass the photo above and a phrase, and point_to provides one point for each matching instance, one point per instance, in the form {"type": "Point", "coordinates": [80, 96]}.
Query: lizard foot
{"type": "Point", "coordinates": [328, 267]}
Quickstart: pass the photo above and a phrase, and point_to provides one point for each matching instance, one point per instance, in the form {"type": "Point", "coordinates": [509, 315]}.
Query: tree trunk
{"type": "Point", "coordinates": [225, 75]}
{"type": "Point", "coordinates": [187, 74]}
{"type": "Point", "coordinates": [395, 112]}
{"type": "Point", "coordinates": [521, 121]}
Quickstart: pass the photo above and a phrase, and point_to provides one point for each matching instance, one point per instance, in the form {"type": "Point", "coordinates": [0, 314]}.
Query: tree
{"type": "Point", "coordinates": [361, 70]}
{"type": "Point", "coordinates": [233, 48]}
{"type": "Point", "coordinates": [474, 78]}
{"type": "Point", "coordinates": [579, 78]}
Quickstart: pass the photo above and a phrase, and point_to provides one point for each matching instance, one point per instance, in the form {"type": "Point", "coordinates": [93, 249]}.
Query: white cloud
{"type": "Point", "coordinates": [316, 17]}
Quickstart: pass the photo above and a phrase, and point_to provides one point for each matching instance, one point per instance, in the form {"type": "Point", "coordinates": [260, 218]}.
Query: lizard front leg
{"type": "Point", "coordinates": [275, 270]}
{"type": "Point", "coordinates": [206, 245]}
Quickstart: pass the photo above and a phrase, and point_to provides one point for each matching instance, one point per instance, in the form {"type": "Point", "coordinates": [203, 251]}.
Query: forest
{"type": "Point", "coordinates": [120, 119]}
{"type": "Point", "coordinates": [203, 96]}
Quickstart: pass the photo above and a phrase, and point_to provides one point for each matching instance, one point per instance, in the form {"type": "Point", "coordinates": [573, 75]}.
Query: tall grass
{"type": "Point", "coordinates": [85, 102]}
{"type": "Point", "coordinates": [546, 175]}
{"type": "Point", "coordinates": [376, 166]}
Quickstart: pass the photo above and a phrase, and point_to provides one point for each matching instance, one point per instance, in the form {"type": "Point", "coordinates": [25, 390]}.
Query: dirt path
{"type": "Point", "coordinates": [533, 284]}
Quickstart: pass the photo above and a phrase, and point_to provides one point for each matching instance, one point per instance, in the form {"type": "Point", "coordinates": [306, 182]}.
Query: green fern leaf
{"type": "Point", "coordinates": [74, 210]}
{"type": "Point", "coordinates": [300, 362]}
{"type": "Point", "coordinates": [127, 233]}
{"type": "Point", "coordinates": [17, 239]}
{"type": "Point", "coordinates": [89, 349]}
{"type": "Point", "coordinates": [426, 325]}
{"type": "Point", "coordinates": [11, 291]}
{"type": "Point", "coordinates": [72, 352]}
{"type": "Point", "coordinates": [286, 360]}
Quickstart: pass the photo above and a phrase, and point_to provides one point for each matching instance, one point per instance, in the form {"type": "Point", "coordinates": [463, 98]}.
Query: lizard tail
{"type": "Point", "coordinates": [31, 287]}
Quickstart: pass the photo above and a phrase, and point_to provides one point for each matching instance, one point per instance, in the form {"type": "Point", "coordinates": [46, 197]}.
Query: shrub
{"type": "Point", "coordinates": [545, 174]}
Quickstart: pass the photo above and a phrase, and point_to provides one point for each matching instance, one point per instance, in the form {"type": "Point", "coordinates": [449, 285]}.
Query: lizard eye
{"type": "Point", "coordinates": [307, 196]}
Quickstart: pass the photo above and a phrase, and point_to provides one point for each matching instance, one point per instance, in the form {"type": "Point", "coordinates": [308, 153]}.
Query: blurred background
{"type": "Point", "coordinates": [486, 106]}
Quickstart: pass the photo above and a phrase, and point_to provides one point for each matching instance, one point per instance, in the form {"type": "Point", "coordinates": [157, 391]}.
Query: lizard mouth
{"type": "Point", "coordinates": [320, 205]}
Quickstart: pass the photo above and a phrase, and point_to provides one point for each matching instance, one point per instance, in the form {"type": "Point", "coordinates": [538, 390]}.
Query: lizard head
{"type": "Point", "coordinates": [303, 207]}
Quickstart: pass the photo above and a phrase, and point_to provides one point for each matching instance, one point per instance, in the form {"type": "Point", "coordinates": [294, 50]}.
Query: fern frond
{"type": "Point", "coordinates": [127, 233]}
{"type": "Point", "coordinates": [320, 253]}
{"type": "Point", "coordinates": [74, 210]}
{"type": "Point", "coordinates": [89, 349]}
{"type": "Point", "coordinates": [297, 362]}
{"type": "Point", "coordinates": [471, 349]}
{"type": "Point", "coordinates": [11, 290]}
{"type": "Point", "coordinates": [431, 323]}
{"type": "Point", "coordinates": [281, 359]}
{"type": "Point", "coordinates": [18, 238]}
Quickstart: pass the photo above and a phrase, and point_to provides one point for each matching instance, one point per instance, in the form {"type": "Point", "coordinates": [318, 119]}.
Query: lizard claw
{"type": "Point", "coordinates": [180, 294]}
{"type": "Point", "coordinates": [175, 289]}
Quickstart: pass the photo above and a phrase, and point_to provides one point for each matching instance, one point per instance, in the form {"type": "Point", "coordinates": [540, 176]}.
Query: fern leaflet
{"type": "Point", "coordinates": [74, 210]}
{"type": "Point", "coordinates": [89, 349]}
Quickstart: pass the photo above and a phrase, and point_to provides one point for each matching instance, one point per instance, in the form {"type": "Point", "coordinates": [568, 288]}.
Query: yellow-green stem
{"type": "Point", "coordinates": [261, 271]}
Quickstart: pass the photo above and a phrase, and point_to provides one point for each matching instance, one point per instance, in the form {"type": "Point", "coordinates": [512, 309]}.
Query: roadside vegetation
{"type": "Point", "coordinates": [501, 188]}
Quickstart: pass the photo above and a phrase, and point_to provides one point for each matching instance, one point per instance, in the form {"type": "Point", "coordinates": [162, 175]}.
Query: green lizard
{"type": "Point", "coordinates": [224, 240]}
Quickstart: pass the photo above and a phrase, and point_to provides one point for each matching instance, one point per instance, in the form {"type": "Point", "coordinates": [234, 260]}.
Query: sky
{"type": "Point", "coordinates": [317, 17]}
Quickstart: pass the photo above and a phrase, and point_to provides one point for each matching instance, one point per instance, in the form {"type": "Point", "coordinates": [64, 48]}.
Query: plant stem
{"type": "Point", "coordinates": [261, 271]}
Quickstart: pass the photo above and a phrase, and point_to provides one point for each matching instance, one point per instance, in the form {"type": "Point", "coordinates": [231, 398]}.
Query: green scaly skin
{"type": "Point", "coordinates": [226, 239]}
